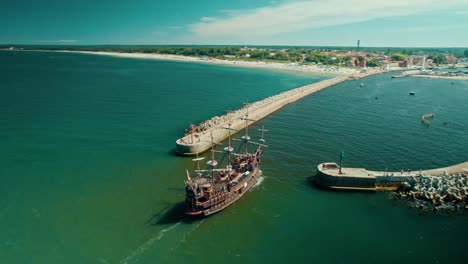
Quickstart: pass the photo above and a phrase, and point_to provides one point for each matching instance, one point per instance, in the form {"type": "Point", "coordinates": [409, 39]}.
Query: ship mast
{"type": "Point", "coordinates": [212, 163]}
{"type": "Point", "coordinates": [263, 132]}
{"type": "Point", "coordinates": [246, 137]}
{"type": "Point", "coordinates": [229, 149]}
{"type": "Point", "coordinates": [197, 160]}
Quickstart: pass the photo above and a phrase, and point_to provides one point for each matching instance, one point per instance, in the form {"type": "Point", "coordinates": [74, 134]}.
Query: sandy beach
{"type": "Point", "coordinates": [315, 69]}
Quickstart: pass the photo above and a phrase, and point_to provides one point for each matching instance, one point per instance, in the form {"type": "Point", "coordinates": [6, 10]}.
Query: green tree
{"type": "Point", "coordinates": [439, 59]}
{"type": "Point", "coordinates": [339, 60]}
{"type": "Point", "coordinates": [258, 54]}
{"type": "Point", "coordinates": [280, 56]}
{"type": "Point", "coordinates": [374, 63]}
{"type": "Point", "coordinates": [398, 57]}
{"type": "Point", "coordinates": [317, 57]}
{"type": "Point", "coordinates": [347, 58]}
{"type": "Point", "coordinates": [295, 55]}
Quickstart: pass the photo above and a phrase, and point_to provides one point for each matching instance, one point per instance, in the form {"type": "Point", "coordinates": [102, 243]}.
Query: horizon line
{"type": "Point", "coordinates": [234, 45]}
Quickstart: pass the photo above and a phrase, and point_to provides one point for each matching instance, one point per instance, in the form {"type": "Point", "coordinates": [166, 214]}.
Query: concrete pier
{"type": "Point", "coordinates": [199, 141]}
{"type": "Point", "coordinates": [329, 176]}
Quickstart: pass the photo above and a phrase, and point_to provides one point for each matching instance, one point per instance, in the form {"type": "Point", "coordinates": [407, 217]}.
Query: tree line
{"type": "Point", "coordinates": [318, 55]}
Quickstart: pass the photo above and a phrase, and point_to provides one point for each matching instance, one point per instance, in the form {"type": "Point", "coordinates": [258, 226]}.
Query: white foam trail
{"type": "Point", "coordinates": [103, 260]}
{"type": "Point", "coordinates": [258, 182]}
{"type": "Point", "coordinates": [142, 248]}
{"type": "Point", "coordinates": [183, 240]}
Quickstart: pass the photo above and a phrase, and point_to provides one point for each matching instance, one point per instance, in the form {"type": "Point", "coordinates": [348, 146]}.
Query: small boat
{"type": "Point", "coordinates": [425, 117]}
{"type": "Point", "coordinates": [411, 93]}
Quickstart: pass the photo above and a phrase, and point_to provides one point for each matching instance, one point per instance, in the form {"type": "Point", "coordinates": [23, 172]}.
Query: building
{"type": "Point", "coordinates": [363, 63]}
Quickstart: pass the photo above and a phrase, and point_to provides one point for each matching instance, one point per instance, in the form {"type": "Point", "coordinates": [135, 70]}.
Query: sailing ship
{"type": "Point", "coordinates": [216, 187]}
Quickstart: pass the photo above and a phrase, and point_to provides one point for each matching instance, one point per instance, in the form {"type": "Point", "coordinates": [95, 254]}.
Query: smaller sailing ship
{"type": "Point", "coordinates": [218, 186]}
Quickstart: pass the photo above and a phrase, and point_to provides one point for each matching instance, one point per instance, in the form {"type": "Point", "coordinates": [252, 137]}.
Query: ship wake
{"type": "Point", "coordinates": [258, 182]}
{"type": "Point", "coordinates": [133, 257]}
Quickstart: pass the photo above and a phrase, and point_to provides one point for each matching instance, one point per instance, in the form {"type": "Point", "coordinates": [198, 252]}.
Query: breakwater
{"type": "Point", "coordinates": [446, 192]}
{"type": "Point", "coordinates": [199, 138]}
{"type": "Point", "coordinates": [436, 189]}
{"type": "Point", "coordinates": [330, 175]}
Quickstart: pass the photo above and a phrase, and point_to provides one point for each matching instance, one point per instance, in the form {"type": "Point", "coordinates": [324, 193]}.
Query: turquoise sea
{"type": "Point", "coordinates": [87, 173]}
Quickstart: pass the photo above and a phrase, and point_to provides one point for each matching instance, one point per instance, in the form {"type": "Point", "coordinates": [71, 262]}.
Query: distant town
{"type": "Point", "coordinates": [363, 57]}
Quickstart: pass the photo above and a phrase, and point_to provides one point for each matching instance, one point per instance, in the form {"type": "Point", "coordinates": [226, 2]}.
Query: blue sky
{"type": "Point", "coordinates": [402, 23]}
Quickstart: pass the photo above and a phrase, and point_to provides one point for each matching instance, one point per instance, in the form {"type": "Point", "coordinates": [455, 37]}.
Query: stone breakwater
{"type": "Point", "coordinates": [199, 141]}
{"type": "Point", "coordinates": [437, 189]}
{"type": "Point", "coordinates": [446, 192]}
{"type": "Point", "coordinates": [329, 175]}
{"type": "Point", "coordinates": [250, 109]}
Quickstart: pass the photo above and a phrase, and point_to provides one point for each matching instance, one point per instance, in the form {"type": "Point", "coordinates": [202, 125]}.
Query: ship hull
{"type": "Point", "coordinates": [235, 195]}
{"type": "Point", "coordinates": [230, 197]}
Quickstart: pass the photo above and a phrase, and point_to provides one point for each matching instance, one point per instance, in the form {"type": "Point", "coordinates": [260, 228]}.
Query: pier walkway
{"type": "Point", "coordinates": [458, 168]}
{"type": "Point", "coordinates": [329, 176]}
{"type": "Point", "coordinates": [200, 141]}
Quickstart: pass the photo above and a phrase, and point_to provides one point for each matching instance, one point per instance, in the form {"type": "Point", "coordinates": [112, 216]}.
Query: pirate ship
{"type": "Point", "coordinates": [218, 186]}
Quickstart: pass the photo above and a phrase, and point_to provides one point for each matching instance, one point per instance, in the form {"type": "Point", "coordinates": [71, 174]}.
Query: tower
{"type": "Point", "coordinates": [358, 44]}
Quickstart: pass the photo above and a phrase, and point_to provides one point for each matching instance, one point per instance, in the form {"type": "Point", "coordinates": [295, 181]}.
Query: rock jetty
{"type": "Point", "coordinates": [198, 137]}
{"type": "Point", "coordinates": [426, 192]}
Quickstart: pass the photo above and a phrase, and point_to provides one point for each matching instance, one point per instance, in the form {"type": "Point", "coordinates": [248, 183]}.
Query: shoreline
{"type": "Point", "coordinates": [308, 69]}
{"type": "Point", "coordinates": [257, 110]}
{"type": "Point", "coordinates": [463, 78]}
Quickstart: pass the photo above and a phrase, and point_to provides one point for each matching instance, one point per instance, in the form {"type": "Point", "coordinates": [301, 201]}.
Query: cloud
{"type": "Point", "coordinates": [297, 16]}
{"type": "Point", "coordinates": [166, 30]}
{"type": "Point", "coordinates": [461, 12]}
{"type": "Point", "coordinates": [432, 28]}
{"type": "Point", "coordinates": [67, 40]}
{"type": "Point", "coordinates": [159, 33]}
{"type": "Point", "coordinates": [174, 27]}
{"type": "Point", "coordinates": [207, 19]}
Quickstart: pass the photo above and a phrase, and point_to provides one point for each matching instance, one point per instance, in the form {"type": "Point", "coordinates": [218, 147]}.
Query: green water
{"type": "Point", "coordinates": [87, 174]}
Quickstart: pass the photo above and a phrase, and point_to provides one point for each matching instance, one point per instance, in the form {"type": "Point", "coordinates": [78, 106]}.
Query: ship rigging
{"type": "Point", "coordinates": [216, 187]}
